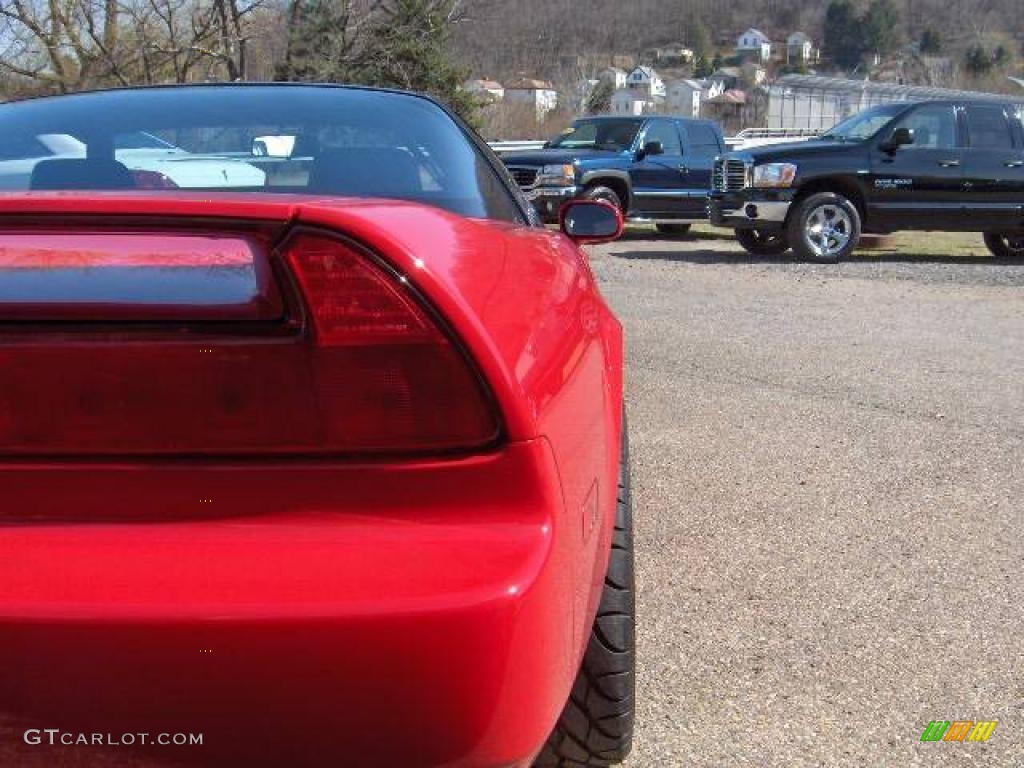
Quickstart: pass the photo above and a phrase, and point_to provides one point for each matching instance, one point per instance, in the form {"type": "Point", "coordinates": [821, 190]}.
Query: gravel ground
{"type": "Point", "coordinates": [829, 473]}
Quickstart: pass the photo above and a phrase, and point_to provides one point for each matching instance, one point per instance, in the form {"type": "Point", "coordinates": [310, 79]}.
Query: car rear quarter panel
{"type": "Point", "coordinates": [526, 303]}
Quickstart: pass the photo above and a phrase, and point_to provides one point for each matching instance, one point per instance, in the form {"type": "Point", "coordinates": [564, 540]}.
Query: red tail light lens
{"type": "Point", "coordinates": [387, 378]}
{"type": "Point", "coordinates": [186, 343]}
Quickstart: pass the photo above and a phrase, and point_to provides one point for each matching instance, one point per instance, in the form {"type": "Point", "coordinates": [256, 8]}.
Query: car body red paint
{"type": "Point", "coordinates": [412, 611]}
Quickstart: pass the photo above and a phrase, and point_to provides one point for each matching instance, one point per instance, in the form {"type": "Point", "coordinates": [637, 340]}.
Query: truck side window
{"type": "Point", "coordinates": [702, 139]}
{"type": "Point", "coordinates": [665, 132]}
{"type": "Point", "coordinates": [934, 127]}
{"type": "Point", "coordinates": [988, 128]}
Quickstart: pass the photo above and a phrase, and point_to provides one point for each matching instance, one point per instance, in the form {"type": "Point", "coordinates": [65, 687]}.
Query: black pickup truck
{"type": "Point", "coordinates": [935, 165]}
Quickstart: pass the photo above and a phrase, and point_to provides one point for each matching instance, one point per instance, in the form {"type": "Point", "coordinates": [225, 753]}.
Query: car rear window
{"type": "Point", "coordinates": [318, 140]}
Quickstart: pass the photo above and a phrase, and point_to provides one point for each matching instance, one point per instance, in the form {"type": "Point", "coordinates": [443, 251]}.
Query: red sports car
{"type": "Point", "coordinates": [326, 470]}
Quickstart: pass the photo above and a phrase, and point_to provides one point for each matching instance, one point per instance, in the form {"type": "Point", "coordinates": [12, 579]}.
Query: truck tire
{"type": "Point", "coordinates": [824, 227]}
{"type": "Point", "coordinates": [1009, 247]}
{"type": "Point", "coordinates": [763, 242]}
{"type": "Point", "coordinates": [596, 726]}
{"type": "Point", "coordinates": [672, 229]}
{"type": "Point", "coordinates": [599, 192]}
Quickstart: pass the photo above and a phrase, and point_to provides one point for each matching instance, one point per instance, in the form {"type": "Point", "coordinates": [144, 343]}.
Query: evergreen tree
{"type": "Point", "coordinates": [880, 27]}
{"type": "Point", "coordinates": [699, 40]}
{"type": "Point", "coordinates": [1001, 56]}
{"type": "Point", "coordinates": [409, 47]}
{"type": "Point", "coordinates": [321, 45]}
{"type": "Point", "coordinates": [931, 42]}
{"type": "Point", "coordinates": [400, 44]}
{"type": "Point", "coordinates": [600, 100]}
{"type": "Point", "coordinates": [978, 60]}
{"type": "Point", "coordinates": [844, 40]}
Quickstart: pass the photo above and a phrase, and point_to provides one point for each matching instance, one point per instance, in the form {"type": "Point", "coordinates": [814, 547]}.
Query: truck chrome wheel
{"type": "Point", "coordinates": [827, 230]}
{"type": "Point", "coordinates": [824, 227]}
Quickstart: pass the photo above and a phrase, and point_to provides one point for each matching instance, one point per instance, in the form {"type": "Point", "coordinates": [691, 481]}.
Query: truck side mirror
{"type": "Point", "coordinates": [651, 148]}
{"type": "Point", "coordinates": [900, 137]}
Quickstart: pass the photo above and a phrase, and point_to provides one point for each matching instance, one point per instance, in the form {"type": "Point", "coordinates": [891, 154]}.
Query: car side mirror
{"type": "Point", "coordinates": [900, 137]}
{"type": "Point", "coordinates": [651, 148]}
{"type": "Point", "coordinates": [590, 221]}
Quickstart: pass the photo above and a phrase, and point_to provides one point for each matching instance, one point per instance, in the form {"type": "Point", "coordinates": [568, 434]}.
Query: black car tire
{"type": "Point", "coordinates": [838, 233]}
{"type": "Point", "coordinates": [596, 726]}
{"type": "Point", "coordinates": [672, 229]}
{"type": "Point", "coordinates": [598, 192]}
{"type": "Point", "coordinates": [763, 242]}
{"type": "Point", "coordinates": [1009, 247]}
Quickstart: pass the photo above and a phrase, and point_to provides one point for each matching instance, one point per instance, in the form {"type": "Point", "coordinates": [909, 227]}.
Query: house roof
{"type": "Point", "coordinates": [728, 72]}
{"type": "Point", "coordinates": [696, 85]}
{"type": "Point", "coordinates": [488, 84]}
{"type": "Point", "coordinates": [757, 33]}
{"type": "Point", "coordinates": [529, 84]}
{"type": "Point", "coordinates": [645, 70]}
{"type": "Point", "coordinates": [729, 97]}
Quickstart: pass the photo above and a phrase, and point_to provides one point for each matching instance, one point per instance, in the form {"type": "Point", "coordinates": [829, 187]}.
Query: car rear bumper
{"type": "Point", "coordinates": [422, 616]}
{"type": "Point", "coordinates": [750, 209]}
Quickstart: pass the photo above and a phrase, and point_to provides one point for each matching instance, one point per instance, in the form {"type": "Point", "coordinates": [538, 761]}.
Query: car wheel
{"type": "Point", "coordinates": [1010, 247]}
{"type": "Point", "coordinates": [824, 227]}
{"type": "Point", "coordinates": [596, 726]}
{"type": "Point", "coordinates": [607, 194]}
{"type": "Point", "coordinates": [763, 242]}
{"type": "Point", "coordinates": [672, 229]}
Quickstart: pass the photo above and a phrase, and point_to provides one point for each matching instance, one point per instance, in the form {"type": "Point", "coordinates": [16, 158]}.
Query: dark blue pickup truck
{"type": "Point", "coordinates": [655, 169]}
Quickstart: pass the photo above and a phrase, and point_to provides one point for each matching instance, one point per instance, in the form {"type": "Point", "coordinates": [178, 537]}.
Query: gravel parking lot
{"type": "Point", "coordinates": [829, 473]}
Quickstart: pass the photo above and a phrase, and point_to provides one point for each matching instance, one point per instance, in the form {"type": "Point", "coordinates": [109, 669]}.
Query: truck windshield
{"type": "Point", "coordinates": [610, 135]}
{"type": "Point", "coordinates": [864, 124]}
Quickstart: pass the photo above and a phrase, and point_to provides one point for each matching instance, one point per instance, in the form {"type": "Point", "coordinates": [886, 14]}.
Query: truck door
{"type": "Point", "coordinates": [914, 184]}
{"type": "Point", "coordinates": [993, 168]}
{"type": "Point", "coordinates": [700, 148]}
{"type": "Point", "coordinates": [658, 179]}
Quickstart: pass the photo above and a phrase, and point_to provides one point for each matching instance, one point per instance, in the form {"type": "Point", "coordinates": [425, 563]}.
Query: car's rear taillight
{"type": "Point", "coordinates": [199, 343]}
{"type": "Point", "coordinates": [387, 377]}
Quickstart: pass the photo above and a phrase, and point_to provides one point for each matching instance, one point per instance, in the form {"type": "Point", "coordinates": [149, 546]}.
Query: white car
{"type": "Point", "coordinates": [137, 151]}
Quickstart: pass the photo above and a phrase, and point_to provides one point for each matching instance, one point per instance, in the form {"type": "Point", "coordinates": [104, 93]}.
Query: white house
{"type": "Point", "coordinates": [631, 101]}
{"type": "Point", "coordinates": [686, 96]}
{"type": "Point", "coordinates": [800, 49]}
{"type": "Point", "coordinates": [645, 79]}
{"type": "Point", "coordinates": [541, 95]}
{"type": "Point", "coordinates": [613, 75]}
{"type": "Point", "coordinates": [676, 53]}
{"type": "Point", "coordinates": [485, 90]}
{"type": "Point", "coordinates": [754, 44]}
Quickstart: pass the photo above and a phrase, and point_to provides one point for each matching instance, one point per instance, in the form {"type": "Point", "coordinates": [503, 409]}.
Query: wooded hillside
{"type": "Point", "coordinates": [499, 38]}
